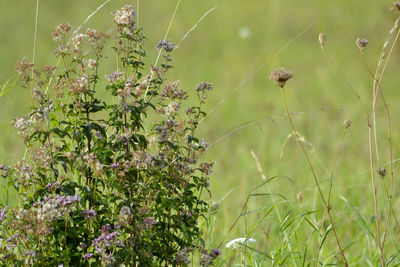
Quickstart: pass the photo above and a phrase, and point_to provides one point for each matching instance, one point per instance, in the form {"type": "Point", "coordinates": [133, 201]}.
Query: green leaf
{"type": "Point", "coordinates": [6, 88]}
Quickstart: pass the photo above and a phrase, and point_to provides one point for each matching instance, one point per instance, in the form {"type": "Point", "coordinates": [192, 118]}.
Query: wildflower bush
{"type": "Point", "coordinates": [106, 181]}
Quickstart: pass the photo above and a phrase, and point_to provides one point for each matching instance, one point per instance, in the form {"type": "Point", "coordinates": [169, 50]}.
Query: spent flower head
{"type": "Point", "coordinates": [281, 76]}
{"type": "Point", "coordinates": [362, 44]}
{"type": "Point", "coordinates": [396, 6]}
{"type": "Point", "coordinates": [382, 172]}
{"type": "Point", "coordinates": [347, 124]}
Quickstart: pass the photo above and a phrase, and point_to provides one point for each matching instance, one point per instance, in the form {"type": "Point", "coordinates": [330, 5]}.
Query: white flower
{"type": "Point", "coordinates": [92, 63]}
{"type": "Point", "coordinates": [236, 243]}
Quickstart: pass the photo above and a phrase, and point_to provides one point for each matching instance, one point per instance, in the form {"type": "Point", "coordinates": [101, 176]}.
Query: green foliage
{"type": "Point", "coordinates": [6, 87]}
{"type": "Point", "coordinates": [98, 185]}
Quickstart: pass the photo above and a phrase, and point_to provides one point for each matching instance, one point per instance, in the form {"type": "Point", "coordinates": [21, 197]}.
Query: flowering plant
{"type": "Point", "coordinates": [112, 180]}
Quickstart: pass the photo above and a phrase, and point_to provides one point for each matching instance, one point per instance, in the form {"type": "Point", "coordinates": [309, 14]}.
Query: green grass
{"type": "Point", "coordinates": [319, 97]}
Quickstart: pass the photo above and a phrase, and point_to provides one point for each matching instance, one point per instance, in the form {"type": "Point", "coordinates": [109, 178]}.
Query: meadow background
{"type": "Point", "coordinates": [236, 46]}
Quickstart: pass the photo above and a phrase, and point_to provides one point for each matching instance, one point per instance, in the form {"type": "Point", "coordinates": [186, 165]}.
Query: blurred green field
{"type": "Point", "coordinates": [217, 51]}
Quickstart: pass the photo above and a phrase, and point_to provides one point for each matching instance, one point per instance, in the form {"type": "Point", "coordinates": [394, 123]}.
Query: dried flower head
{"type": "Point", "coordinates": [124, 16]}
{"type": "Point", "coordinates": [362, 44]}
{"type": "Point", "coordinates": [396, 6]}
{"type": "Point", "coordinates": [322, 38]}
{"type": "Point", "coordinates": [60, 31]}
{"type": "Point", "coordinates": [347, 124]}
{"type": "Point", "coordinates": [281, 76]}
{"type": "Point", "coordinates": [382, 172]}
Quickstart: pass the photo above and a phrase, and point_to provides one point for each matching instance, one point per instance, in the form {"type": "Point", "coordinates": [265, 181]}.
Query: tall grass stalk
{"type": "Point", "coordinates": [334, 164]}
{"type": "Point", "coordinates": [379, 89]}
{"type": "Point", "coordinates": [389, 143]}
{"type": "Point", "coordinates": [328, 209]}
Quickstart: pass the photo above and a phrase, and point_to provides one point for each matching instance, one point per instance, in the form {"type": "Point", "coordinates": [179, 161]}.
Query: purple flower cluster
{"type": "Point", "coordinates": [54, 185]}
{"type": "Point", "coordinates": [166, 45]}
{"type": "Point", "coordinates": [55, 206]}
{"type": "Point", "coordinates": [115, 165]}
{"type": "Point", "coordinates": [149, 222]}
{"type": "Point", "coordinates": [6, 170]}
{"type": "Point", "coordinates": [88, 256]}
{"type": "Point", "coordinates": [204, 86]}
{"type": "Point", "coordinates": [65, 201]}
{"type": "Point", "coordinates": [106, 228]}
{"type": "Point", "coordinates": [106, 240]}
{"type": "Point", "coordinates": [89, 214]}
{"type": "Point", "coordinates": [3, 215]}
{"type": "Point", "coordinates": [113, 77]}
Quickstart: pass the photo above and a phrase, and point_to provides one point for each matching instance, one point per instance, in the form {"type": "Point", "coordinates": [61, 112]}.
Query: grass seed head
{"type": "Point", "coordinates": [300, 197]}
{"type": "Point", "coordinates": [281, 76]}
{"type": "Point", "coordinates": [322, 38]}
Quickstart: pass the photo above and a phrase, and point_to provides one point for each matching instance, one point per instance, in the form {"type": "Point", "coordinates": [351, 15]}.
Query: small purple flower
{"type": "Point", "coordinates": [113, 77]}
{"type": "Point", "coordinates": [99, 135]}
{"type": "Point", "coordinates": [2, 167]}
{"type": "Point", "coordinates": [215, 252]}
{"type": "Point", "coordinates": [166, 45]}
{"type": "Point", "coordinates": [83, 245]}
{"type": "Point", "coordinates": [3, 215]}
{"type": "Point", "coordinates": [63, 201]}
{"type": "Point", "coordinates": [115, 165]}
{"type": "Point", "coordinates": [106, 228]}
{"type": "Point", "coordinates": [55, 184]}
{"type": "Point", "coordinates": [89, 213]}
{"type": "Point", "coordinates": [88, 256]}
{"type": "Point", "coordinates": [149, 222]}
{"type": "Point", "coordinates": [204, 86]}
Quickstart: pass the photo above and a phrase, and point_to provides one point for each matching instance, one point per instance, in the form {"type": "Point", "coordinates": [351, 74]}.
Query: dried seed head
{"type": "Point", "coordinates": [300, 197]}
{"type": "Point", "coordinates": [60, 31]}
{"type": "Point", "coordinates": [362, 44]}
{"type": "Point", "coordinates": [281, 76]}
{"type": "Point", "coordinates": [347, 124]}
{"type": "Point", "coordinates": [322, 38]}
{"type": "Point", "coordinates": [396, 6]}
{"type": "Point", "coordinates": [382, 172]}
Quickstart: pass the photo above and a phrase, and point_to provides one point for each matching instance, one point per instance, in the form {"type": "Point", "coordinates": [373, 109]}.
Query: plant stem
{"type": "Point", "coordinates": [334, 166]}
{"type": "Point", "coordinates": [328, 209]}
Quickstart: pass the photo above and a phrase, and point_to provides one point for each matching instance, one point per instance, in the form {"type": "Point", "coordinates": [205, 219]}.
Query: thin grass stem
{"type": "Point", "coordinates": [328, 209]}
{"type": "Point", "coordinates": [334, 166]}
{"type": "Point", "coordinates": [390, 147]}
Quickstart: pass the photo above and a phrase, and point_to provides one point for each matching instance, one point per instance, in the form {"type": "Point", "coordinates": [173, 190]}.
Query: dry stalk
{"type": "Point", "coordinates": [328, 209]}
